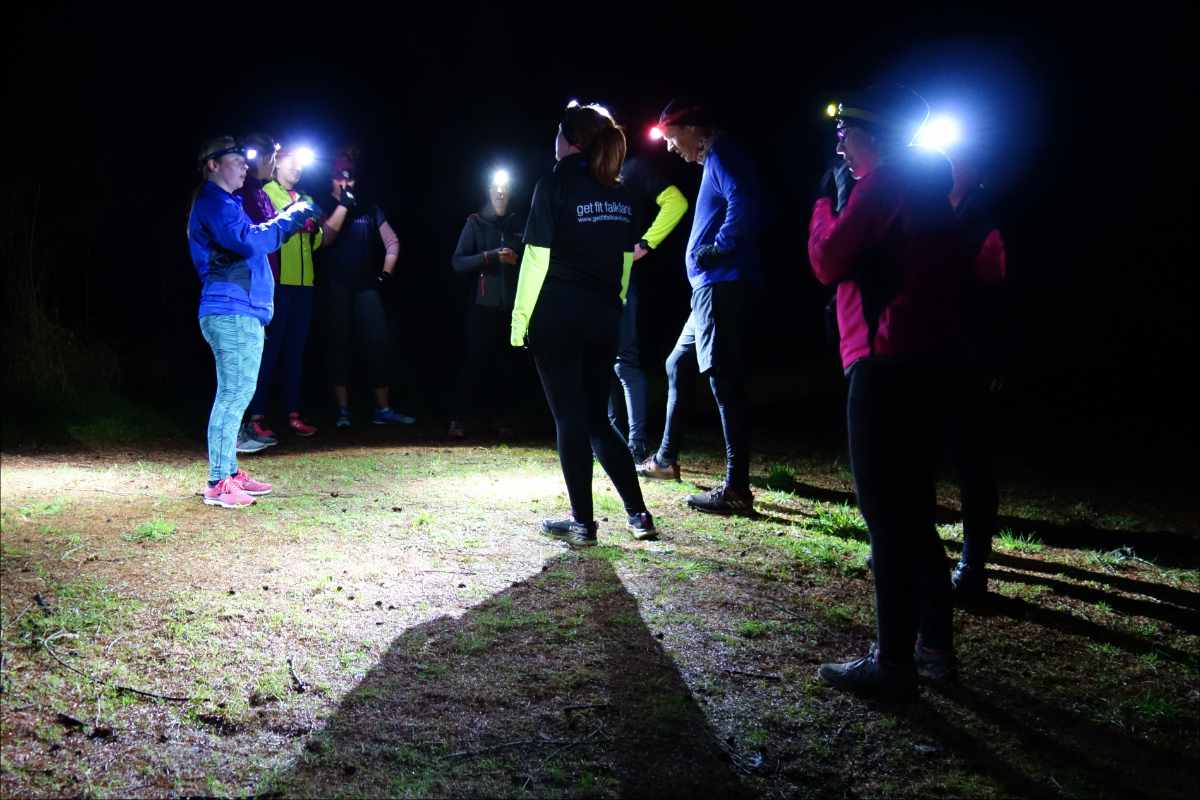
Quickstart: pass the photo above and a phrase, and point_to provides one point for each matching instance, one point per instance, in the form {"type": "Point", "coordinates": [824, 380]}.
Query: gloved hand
{"type": "Point", "coordinates": [347, 199]}
{"type": "Point", "coordinates": [386, 279]}
{"type": "Point", "coordinates": [836, 184]}
{"type": "Point", "coordinates": [707, 255]}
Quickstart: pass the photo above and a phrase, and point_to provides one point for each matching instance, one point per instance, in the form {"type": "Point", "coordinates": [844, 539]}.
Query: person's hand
{"type": "Point", "coordinates": [507, 255]}
{"type": "Point", "coordinates": [301, 209]}
{"type": "Point", "coordinates": [836, 184]}
{"type": "Point", "coordinates": [707, 255]}
{"type": "Point", "coordinates": [640, 251]}
{"type": "Point", "coordinates": [346, 198]}
{"type": "Point", "coordinates": [385, 279]}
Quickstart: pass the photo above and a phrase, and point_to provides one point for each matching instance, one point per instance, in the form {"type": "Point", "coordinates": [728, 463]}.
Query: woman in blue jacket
{"type": "Point", "coordinates": [236, 302]}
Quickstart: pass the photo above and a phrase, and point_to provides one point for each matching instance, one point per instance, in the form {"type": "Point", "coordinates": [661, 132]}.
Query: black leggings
{"type": "Point", "coordinates": [573, 336]}
{"type": "Point", "coordinates": [356, 310]}
{"type": "Point", "coordinates": [894, 414]}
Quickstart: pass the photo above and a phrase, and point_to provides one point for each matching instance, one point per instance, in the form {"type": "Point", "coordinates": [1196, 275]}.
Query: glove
{"type": "Point", "coordinates": [836, 184]}
{"type": "Point", "coordinates": [347, 199]}
{"type": "Point", "coordinates": [386, 279]}
{"type": "Point", "coordinates": [707, 255]}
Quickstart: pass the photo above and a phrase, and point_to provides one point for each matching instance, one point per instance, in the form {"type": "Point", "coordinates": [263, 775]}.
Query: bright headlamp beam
{"type": "Point", "coordinates": [305, 157]}
{"type": "Point", "coordinates": [939, 133]}
{"type": "Point", "coordinates": [251, 154]}
{"type": "Point", "coordinates": [500, 179]}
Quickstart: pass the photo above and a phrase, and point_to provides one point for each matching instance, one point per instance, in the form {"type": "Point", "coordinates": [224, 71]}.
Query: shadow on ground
{"type": "Point", "coordinates": [555, 686]}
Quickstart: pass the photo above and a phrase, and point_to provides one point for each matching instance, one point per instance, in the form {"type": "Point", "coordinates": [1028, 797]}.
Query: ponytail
{"type": "Point", "coordinates": [592, 130]}
{"type": "Point", "coordinates": [606, 155]}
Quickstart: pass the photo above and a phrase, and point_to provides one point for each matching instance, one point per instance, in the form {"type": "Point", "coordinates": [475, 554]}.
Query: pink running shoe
{"type": "Point", "coordinates": [227, 494]}
{"type": "Point", "coordinates": [299, 426]}
{"type": "Point", "coordinates": [249, 485]}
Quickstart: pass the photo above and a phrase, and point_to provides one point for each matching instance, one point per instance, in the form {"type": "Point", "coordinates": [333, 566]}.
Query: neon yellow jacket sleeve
{"type": "Point", "coordinates": [625, 273]}
{"type": "Point", "coordinates": [535, 263]}
{"type": "Point", "coordinates": [672, 205]}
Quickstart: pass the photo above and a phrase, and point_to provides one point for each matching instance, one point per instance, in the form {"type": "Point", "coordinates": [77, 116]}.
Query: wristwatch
{"type": "Point", "coordinates": [645, 245]}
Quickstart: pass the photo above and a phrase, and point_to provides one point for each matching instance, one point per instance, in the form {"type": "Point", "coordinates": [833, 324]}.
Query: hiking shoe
{"type": "Point", "coordinates": [343, 418]}
{"type": "Point", "coordinates": [652, 468]}
{"type": "Point", "coordinates": [226, 494]}
{"type": "Point", "coordinates": [722, 500]}
{"type": "Point", "coordinates": [386, 416]}
{"type": "Point", "coordinates": [246, 443]}
{"type": "Point", "coordinates": [968, 582]}
{"type": "Point", "coordinates": [262, 433]}
{"type": "Point", "coordinates": [249, 485]}
{"type": "Point", "coordinates": [870, 677]}
{"type": "Point", "coordinates": [576, 534]}
{"type": "Point", "coordinates": [639, 451]}
{"type": "Point", "coordinates": [456, 430]}
{"type": "Point", "coordinates": [299, 426]}
{"type": "Point", "coordinates": [642, 526]}
{"type": "Point", "coordinates": [935, 666]}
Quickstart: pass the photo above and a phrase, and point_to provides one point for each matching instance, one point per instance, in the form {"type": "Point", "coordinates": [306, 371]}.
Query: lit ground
{"type": "Point", "coordinates": [390, 623]}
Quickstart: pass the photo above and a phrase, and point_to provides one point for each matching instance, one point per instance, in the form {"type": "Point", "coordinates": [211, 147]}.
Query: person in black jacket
{"type": "Point", "coordinates": [489, 249]}
{"type": "Point", "coordinates": [574, 277]}
{"type": "Point", "coordinates": [355, 264]}
{"type": "Point", "coordinates": [986, 329]}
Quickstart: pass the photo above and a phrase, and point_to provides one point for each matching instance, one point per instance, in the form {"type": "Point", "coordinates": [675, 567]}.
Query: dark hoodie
{"type": "Point", "coordinates": [478, 252]}
{"type": "Point", "coordinates": [899, 259]}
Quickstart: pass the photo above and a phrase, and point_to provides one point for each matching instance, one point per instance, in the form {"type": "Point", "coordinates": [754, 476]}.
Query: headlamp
{"type": "Point", "coordinates": [939, 133]}
{"type": "Point", "coordinates": [500, 179]}
{"type": "Point", "coordinates": [217, 154]}
{"type": "Point", "coordinates": [305, 157]}
{"type": "Point", "coordinates": [656, 134]}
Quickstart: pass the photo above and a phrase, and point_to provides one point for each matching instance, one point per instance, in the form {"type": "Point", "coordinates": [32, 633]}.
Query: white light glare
{"type": "Point", "coordinates": [500, 179]}
{"type": "Point", "coordinates": [305, 157]}
{"type": "Point", "coordinates": [939, 133]}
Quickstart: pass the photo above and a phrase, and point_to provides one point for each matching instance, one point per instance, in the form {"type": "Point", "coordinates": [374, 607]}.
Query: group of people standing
{"type": "Point", "coordinates": [891, 230]}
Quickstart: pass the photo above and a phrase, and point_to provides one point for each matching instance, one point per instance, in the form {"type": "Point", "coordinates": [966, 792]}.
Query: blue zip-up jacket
{"type": "Point", "coordinates": [230, 254]}
{"type": "Point", "coordinates": [728, 213]}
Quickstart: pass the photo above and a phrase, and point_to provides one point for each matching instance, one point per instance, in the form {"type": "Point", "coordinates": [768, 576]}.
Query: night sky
{"type": "Point", "coordinates": [1083, 115]}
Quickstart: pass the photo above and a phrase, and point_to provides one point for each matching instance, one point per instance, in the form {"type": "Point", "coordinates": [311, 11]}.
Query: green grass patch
{"type": "Point", "coordinates": [781, 478]}
{"type": "Point", "coordinates": [153, 531]}
{"type": "Point", "coordinates": [1021, 543]}
{"type": "Point", "coordinates": [82, 606]}
{"type": "Point", "coordinates": [842, 521]}
{"type": "Point", "coordinates": [753, 629]}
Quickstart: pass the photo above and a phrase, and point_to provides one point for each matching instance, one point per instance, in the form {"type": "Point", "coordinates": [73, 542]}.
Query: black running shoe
{"type": "Point", "coordinates": [723, 500]}
{"type": "Point", "coordinates": [642, 526]}
{"type": "Point", "coordinates": [870, 677]}
{"type": "Point", "coordinates": [576, 534]}
{"type": "Point", "coordinates": [935, 666]}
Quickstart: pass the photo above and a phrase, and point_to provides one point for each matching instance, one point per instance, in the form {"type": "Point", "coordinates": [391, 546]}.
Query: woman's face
{"type": "Point", "coordinates": [859, 149]}
{"type": "Point", "coordinates": [499, 198]}
{"type": "Point", "coordinates": [229, 171]}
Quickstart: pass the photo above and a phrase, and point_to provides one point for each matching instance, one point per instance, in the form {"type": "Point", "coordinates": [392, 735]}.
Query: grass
{"type": "Point", "coordinates": [153, 531]}
{"type": "Point", "coordinates": [1020, 543]}
{"type": "Point", "coordinates": [417, 639]}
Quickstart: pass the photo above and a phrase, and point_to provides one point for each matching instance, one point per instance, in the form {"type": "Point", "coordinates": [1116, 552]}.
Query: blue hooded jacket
{"type": "Point", "coordinates": [230, 254]}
